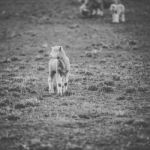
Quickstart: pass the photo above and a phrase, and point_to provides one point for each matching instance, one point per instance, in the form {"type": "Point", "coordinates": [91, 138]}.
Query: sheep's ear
{"type": "Point", "coordinates": [60, 48]}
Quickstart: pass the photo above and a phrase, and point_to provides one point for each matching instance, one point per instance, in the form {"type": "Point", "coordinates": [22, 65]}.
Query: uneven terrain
{"type": "Point", "coordinates": [107, 106]}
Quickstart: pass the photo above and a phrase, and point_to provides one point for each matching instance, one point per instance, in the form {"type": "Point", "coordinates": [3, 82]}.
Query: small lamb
{"type": "Point", "coordinates": [117, 10]}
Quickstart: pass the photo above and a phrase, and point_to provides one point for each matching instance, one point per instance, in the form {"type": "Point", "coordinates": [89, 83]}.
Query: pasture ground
{"type": "Point", "coordinates": [108, 103]}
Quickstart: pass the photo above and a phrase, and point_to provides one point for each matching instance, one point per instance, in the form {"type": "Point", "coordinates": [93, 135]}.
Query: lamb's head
{"type": "Point", "coordinates": [57, 52]}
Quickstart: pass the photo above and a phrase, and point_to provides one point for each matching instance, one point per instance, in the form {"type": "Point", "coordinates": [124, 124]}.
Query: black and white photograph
{"type": "Point", "coordinates": [74, 74]}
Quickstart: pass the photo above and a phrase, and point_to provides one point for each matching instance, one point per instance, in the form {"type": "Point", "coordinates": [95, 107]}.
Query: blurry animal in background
{"type": "Point", "coordinates": [84, 11]}
{"type": "Point", "coordinates": [118, 11]}
{"type": "Point", "coordinates": [90, 8]}
{"type": "Point", "coordinates": [59, 69]}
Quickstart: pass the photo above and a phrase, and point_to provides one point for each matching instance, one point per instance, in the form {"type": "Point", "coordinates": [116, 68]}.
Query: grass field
{"type": "Point", "coordinates": [108, 102]}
